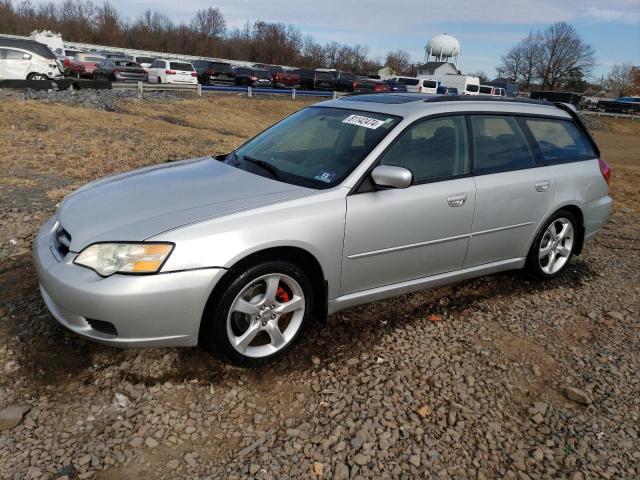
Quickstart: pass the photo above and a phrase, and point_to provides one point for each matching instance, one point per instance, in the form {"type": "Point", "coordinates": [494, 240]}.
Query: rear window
{"type": "Point", "coordinates": [145, 59]}
{"type": "Point", "coordinates": [499, 144]}
{"type": "Point", "coordinates": [559, 140]}
{"type": "Point", "coordinates": [261, 73]}
{"type": "Point", "coordinates": [91, 59]}
{"type": "Point", "coordinates": [472, 88]}
{"type": "Point", "coordinates": [181, 66]}
{"type": "Point", "coordinates": [430, 83]}
{"type": "Point", "coordinates": [409, 81]}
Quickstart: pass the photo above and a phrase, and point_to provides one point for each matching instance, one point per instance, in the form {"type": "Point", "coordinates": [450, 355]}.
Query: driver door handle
{"type": "Point", "coordinates": [457, 200]}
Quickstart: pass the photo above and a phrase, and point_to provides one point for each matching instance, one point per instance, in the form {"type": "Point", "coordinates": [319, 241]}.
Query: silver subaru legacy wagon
{"type": "Point", "coordinates": [346, 202]}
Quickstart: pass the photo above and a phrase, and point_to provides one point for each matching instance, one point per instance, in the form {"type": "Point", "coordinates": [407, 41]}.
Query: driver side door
{"type": "Point", "coordinates": [397, 235]}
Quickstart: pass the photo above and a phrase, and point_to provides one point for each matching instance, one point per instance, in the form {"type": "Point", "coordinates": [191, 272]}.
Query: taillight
{"type": "Point", "coordinates": [354, 85]}
{"type": "Point", "coordinates": [211, 72]}
{"type": "Point", "coordinates": [115, 70]}
{"type": "Point", "coordinates": [194, 74]}
{"type": "Point", "coordinates": [605, 170]}
{"type": "Point", "coordinates": [420, 89]}
{"type": "Point", "coordinates": [170, 72]}
{"type": "Point", "coordinates": [67, 62]}
{"type": "Point", "coordinates": [255, 79]}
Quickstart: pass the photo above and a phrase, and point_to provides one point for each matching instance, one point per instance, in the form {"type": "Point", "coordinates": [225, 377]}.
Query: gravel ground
{"type": "Point", "coordinates": [498, 377]}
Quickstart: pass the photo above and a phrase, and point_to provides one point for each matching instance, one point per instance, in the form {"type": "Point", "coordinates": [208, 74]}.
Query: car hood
{"type": "Point", "coordinates": [136, 205]}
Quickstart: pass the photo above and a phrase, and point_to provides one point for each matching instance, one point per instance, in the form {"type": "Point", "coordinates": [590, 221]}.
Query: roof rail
{"type": "Point", "coordinates": [483, 98]}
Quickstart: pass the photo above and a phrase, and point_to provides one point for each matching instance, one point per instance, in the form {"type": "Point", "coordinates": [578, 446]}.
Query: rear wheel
{"type": "Point", "coordinates": [260, 314]}
{"type": "Point", "coordinates": [554, 245]}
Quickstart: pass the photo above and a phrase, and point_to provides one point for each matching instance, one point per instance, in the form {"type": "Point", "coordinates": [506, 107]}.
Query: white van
{"type": "Point", "coordinates": [493, 91]}
{"type": "Point", "coordinates": [27, 60]}
{"type": "Point", "coordinates": [465, 84]}
{"type": "Point", "coordinates": [418, 85]}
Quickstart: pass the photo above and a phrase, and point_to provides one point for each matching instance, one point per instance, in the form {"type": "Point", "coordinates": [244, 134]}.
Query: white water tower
{"type": "Point", "coordinates": [443, 48]}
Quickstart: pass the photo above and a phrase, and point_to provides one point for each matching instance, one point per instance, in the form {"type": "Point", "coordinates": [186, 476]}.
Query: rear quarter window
{"type": "Point", "coordinates": [559, 140]}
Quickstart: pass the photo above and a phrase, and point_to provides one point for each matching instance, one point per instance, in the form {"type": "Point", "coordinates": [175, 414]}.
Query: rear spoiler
{"type": "Point", "coordinates": [570, 109]}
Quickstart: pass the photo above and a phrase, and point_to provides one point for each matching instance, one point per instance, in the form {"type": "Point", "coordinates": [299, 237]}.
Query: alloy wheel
{"type": "Point", "coordinates": [266, 315]}
{"type": "Point", "coordinates": [556, 246]}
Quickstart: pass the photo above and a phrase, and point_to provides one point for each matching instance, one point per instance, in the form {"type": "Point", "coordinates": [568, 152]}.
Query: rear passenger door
{"type": "Point", "coordinates": [513, 192]}
{"type": "Point", "coordinates": [396, 235]}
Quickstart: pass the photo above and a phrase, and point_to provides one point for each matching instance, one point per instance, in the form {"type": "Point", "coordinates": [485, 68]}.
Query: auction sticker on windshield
{"type": "Point", "coordinates": [361, 121]}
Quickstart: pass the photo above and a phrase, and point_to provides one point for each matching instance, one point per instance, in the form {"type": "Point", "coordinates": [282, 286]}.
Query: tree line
{"type": "Point", "coordinates": [206, 35]}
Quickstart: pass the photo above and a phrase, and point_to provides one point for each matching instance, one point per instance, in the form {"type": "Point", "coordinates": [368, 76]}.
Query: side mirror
{"type": "Point", "coordinates": [391, 176]}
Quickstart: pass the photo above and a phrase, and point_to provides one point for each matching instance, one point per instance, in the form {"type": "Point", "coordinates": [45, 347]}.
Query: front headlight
{"type": "Point", "coordinates": [109, 258]}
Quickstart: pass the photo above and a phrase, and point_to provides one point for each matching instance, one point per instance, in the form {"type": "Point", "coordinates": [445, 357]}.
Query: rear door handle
{"type": "Point", "coordinates": [543, 186]}
{"type": "Point", "coordinates": [457, 200]}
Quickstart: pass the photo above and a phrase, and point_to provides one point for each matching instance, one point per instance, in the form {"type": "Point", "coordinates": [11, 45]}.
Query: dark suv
{"type": "Point", "coordinates": [213, 72]}
{"type": "Point", "coordinates": [313, 79]}
{"type": "Point", "coordinates": [252, 77]}
{"type": "Point", "coordinates": [344, 81]}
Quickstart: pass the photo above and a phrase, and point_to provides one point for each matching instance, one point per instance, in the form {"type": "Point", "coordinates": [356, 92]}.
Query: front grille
{"type": "Point", "coordinates": [61, 242]}
{"type": "Point", "coordinates": [103, 327]}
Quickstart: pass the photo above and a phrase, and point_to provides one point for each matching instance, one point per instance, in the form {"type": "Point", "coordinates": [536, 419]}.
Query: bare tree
{"type": "Point", "coordinates": [564, 55]}
{"type": "Point", "coordinates": [620, 81]}
{"type": "Point", "coordinates": [398, 61]}
{"type": "Point", "coordinates": [209, 22]}
{"type": "Point", "coordinates": [521, 62]}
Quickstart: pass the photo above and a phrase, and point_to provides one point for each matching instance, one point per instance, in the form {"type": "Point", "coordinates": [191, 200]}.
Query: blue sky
{"type": "Point", "coordinates": [486, 30]}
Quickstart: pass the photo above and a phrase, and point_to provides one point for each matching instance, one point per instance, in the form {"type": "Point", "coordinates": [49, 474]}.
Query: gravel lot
{"type": "Point", "coordinates": [499, 377]}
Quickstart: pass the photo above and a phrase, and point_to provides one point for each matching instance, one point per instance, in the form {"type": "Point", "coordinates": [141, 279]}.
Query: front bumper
{"type": "Point", "coordinates": [164, 309]}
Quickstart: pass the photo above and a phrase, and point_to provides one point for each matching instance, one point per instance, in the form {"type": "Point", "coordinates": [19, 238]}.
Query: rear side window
{"type": "Point", "coordinates": [14, 54]}
{"type": "Point", "coordinates": [432, 150]}
{"type": "Point", "coordinates": [472, 88]}
{"type": "Point", "coordinates": [429, 83]}
{"type": "Point", "coordinates": [559, 140]}
{"type": "Point", "coordinates": [409, 81]}
{"type": "Point", "coordinates": [499, 144]}
{"type": "Point", "coordinates": [181, 66]}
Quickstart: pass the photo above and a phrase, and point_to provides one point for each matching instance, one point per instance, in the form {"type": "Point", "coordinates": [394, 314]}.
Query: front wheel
{"type": "Point", "coordinates": [553, 246]}
{"type": "Point", "coordinates": [37, 76]}
{"type": "Point", "coordinates": [260, 314]}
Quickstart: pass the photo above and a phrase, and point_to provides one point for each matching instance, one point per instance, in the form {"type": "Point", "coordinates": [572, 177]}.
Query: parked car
{"type": "Point", "coordinates": [83, 65]}
{"type": "Point", "coordinates": [315, 80]}
{"type": "Point", "coordinates": [281, 78]}
{"type": "Point", "coordinates": [344, 81]}
{"type": "Point", "coordinates": [164, 70]}
{"type": "Point", "coordinates": [369, 85]}
{"type": "Point", "coordinates": [252, 77]}
{"type": "Point", "coordinates": [27, 60]}
{"type": "Point", "coordinates": [418, 85]}
{"type": "Point", "coordinates": [241, 252]}
{"type": "Point", "coordinates": [210, 72]}
{"type": "Point", "coordinates": [444, 90]}
{"type": "Point", "coordinates": [145, 62]}
{"type": "Point", "coordinates": [629, 105]}
{"type": "Point", "coordinates": [117, 70]}
{"type": "Point", "coordinates": [396, 87]}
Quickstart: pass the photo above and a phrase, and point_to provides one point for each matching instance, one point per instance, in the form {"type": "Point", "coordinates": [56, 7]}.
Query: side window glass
{"type": "Point", "coordinates": [559, 140]}
{"type": "Point", "coordinates": [432, 150]}
{"type": "Point", "coordinates": [499, 144]}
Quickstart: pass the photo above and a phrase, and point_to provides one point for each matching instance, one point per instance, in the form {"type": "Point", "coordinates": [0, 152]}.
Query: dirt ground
{"type": "Point", "coordinates": [467, 381]}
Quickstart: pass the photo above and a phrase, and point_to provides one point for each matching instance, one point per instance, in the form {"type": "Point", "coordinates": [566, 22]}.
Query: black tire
{"type": "Point", "coordinates": [213, 331]}
{"type": "Point", "coordinates": [533, 264]}
{"type": "Point", "coordinates": [37, 76]}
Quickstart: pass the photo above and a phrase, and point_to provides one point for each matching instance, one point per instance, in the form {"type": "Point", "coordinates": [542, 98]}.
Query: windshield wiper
{"type": "Point", "coordinates": [272, 169]}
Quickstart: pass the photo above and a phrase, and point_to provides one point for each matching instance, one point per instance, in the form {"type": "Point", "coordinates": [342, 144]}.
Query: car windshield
{"type": "Point", "coordinates": [316, 147]}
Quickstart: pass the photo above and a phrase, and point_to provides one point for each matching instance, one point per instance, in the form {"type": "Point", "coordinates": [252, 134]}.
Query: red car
{"type": "Point", "coordinates": [280, 78]}
{"type": "Point", "coordinates": [369, 85]}
{"type": "Point", "coordinates": [82, 65]}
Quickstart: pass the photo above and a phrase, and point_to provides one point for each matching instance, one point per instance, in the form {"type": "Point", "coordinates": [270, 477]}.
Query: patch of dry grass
{"type": "Point", "coordinates": [84, 143]}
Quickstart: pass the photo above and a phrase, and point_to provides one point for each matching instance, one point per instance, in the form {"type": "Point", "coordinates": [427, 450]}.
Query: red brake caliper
{"type": "Point", "coordinates": [282, 295]}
